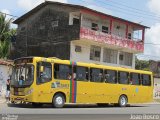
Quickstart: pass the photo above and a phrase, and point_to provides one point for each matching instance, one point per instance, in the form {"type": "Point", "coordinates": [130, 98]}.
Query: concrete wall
{"type": "Point", "coordinates": [156, 92]}
{"type": "Point", "coordinates": [84, 55]}
{"type": "Point", "coordinates": [5, 71]}
{"type": "Point", "coordinates": [87, 21]}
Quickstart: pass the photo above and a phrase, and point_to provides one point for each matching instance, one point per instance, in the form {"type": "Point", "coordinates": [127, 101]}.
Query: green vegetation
{"type": "Point", "coordinates": [142, 64]}
{"type": "Point", "coordinates": [5, 36]}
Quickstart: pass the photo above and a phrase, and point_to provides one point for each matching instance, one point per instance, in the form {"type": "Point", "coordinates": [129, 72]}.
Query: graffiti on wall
{"type": "Point", "coordinates": [1, 83]}
{"type": "Point", "coordinates": [157, 91]}
{"type": "Point", "coordinates": [100, 37]}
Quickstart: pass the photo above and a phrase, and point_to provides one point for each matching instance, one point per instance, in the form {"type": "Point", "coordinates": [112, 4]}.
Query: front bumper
{"type": "Point", "coordinates": [16, 98]}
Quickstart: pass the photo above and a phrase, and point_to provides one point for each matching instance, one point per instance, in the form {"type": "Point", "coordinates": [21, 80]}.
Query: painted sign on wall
{"type": "Point", "coordinates": [100, 37]}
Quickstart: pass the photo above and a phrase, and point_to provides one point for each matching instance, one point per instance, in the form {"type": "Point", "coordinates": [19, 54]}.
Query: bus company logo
{"type": "Point", "coordinates": [57, 84]}
{"type": "Point", "coordinates": [124, 88]}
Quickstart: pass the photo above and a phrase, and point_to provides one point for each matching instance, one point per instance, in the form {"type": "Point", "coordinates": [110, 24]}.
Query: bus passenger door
{"type": "Point", "coordinates": [81, 86]}
{"type": "Point", "coordinates": [43, 84]}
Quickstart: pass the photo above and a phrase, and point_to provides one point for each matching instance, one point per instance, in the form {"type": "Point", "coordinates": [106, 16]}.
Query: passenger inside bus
{"type": "Point", "coordinates": [21, 80]}
{"type": "Point", "coordinates": [69, 77]}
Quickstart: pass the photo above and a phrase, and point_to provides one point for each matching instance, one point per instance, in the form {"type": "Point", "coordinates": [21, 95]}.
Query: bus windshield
{"type": "Point", "coordinates": [22, 75]}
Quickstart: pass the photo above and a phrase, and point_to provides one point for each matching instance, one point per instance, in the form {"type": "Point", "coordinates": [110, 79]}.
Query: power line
{"type": "Point", "coordinates": [131, 11]}
{"type": "Point", "coordinates": [122, 11]}
{"type": "Point", "coordinates": [152, 43]}
{"type": "Point", "coordinates": [13, 16]}
{"type": "Point", "coordinates": [129, 7]}
{"type": "Point", "coordinates": [145, 55]}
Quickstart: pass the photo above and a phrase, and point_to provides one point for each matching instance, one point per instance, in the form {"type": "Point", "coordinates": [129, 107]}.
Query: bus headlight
{"type": "Point", "coordinates": [30, 91]}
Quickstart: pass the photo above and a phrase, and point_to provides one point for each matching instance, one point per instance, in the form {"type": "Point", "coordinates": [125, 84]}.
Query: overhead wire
{"type": "Point", "coordinates": [14, 16]}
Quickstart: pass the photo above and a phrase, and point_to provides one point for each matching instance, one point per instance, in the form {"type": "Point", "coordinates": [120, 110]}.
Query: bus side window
{"type": "Point", "coordinates": [110, 76]}
{"type": "Point", "coordinates": [96, 75]}
{"type": "Point", "coordinates": [146, 80]}
{"type": "Point", "coordinates": [135, 79]}
{"type": "Point", "coordinates": [81, 73]}
{"type": "Point", "coordinates": [123, 77]}
{"type": "Point", "coordinates": [46, 74]}
{"type": "Point", "coordinates": [62, 72]}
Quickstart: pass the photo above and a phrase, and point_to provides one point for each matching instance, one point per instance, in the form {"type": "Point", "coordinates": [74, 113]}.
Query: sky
{"type": "Point", "coordinates": [145, 12]}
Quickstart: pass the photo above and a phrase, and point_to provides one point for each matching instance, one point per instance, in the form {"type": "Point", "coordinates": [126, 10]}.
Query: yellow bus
{"type": "Point", "coordinates": [39, 80]}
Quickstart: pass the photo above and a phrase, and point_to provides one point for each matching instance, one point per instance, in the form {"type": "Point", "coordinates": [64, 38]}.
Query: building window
{"type": "Point", "coordinates": [121, 57]}
{"type": "Point", "coordinates": [123, 77]}
{"type": "Point", "coordinates": [146, 80]}
{"type": "Point", "coordinates": [135, 79]}
{"type": "Point", "coordinates": [104, 29]}
{"type": "Point", "coordinates": [129, 35]}
{"type": "Point", "coordinates": [94, 26]}
{"type": "Point", "coordinates": [95, 53]}
{"type": "Point", "coordinates": [63, 72]}
{"type": "Point", "coordinates": [96, 75]}
{"type": "Point", "coordinates": [118, 27]}
{"type": "Point", "coordinates": [44, 75]}
{"type": "Point", "coordinates": [110, 56]}
{"type": "Point", "coordinates": [125, 58]}
{"type": "Point", "coordinates": [76, 21]}
{"type": "Point", "coordinates": [81, 73]}
{"type": "Point", "coordinates": [110, 76]}
{"type": "Point", "coordinates": [54, 23]}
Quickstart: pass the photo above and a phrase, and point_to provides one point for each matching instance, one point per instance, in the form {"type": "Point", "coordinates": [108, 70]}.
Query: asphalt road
{"type": "Point", "coordinates": [79, 112]}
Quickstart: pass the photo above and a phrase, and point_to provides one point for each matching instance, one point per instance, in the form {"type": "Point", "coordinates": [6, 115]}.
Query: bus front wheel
{"type": "Point", "coordinates": [122, 101]}
{"type": "Point", "coordinates": [58, 101]}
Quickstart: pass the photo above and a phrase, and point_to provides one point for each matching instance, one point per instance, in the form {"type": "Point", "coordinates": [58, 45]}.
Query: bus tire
{"type": "Point", "coordinates": [122, 102]}
{"type": "Point", "coordinates": [58, 100]}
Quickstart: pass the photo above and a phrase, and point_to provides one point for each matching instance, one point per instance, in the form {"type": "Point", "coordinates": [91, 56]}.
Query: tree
{"type": "Point", "coordinates": [142, 64]}
{"type": "Point", "coordinates": [5, 36]}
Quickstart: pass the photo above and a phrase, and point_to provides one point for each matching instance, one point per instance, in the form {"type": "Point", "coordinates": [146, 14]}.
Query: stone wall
{"type": "Point", "coordinates": [47, 33]}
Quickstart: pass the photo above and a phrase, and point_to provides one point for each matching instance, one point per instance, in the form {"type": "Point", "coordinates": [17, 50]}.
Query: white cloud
{"type": "Point", "coordinates": [100, 9]}
{"type": "Point", "coordinates": [30, 4]}
{"type": "Point", "coordinates": [152, 36]}
{"type": "Point", "coordinates": [6, 12]}
{"type": "Point", "coordinates": [154, 6]}
{"type": "Point", "coordinates": [8, 17]}
{"type": "Point", "coordinates": [93, 5]}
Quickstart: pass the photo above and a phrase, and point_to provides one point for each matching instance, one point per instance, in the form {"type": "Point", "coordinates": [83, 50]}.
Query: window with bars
{"type": "Point", "coordinates": [110, 56]}
{"type": "Point", "coordinates": [104, 29]}
{"type": "Point", "coordinates": [95, 53]}
{"type": "Point", "coordinates": [125, 58]}
{"type": "Point", "coordinates": [94, 26]}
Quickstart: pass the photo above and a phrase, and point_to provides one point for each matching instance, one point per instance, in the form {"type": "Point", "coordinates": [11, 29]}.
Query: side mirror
{"type": "Point", "coordinates": [42, 69]}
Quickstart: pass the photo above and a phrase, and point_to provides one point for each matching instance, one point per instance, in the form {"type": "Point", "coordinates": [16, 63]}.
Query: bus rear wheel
{"type": "Point", "coordinates": [58, 101]}
{"type": "Point", "coordinates": [122, 101]}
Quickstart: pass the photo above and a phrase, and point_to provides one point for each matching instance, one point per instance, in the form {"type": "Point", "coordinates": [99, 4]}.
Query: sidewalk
{"type": "Point", "coordinates": [2, 100]}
